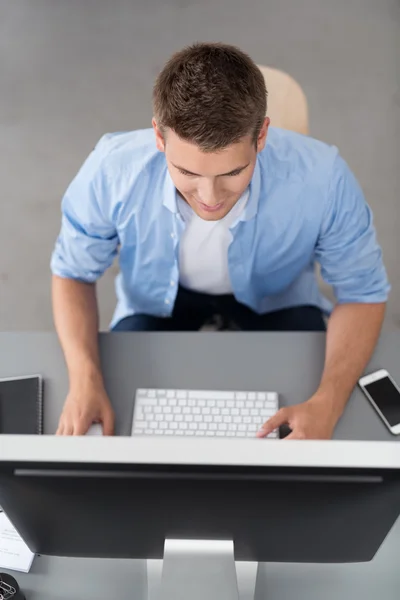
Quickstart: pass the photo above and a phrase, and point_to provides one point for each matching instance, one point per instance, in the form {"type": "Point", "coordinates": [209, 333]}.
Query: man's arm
{"type": "Point", "coordinates": [353, 331]}
{"type": "Point", "coordinates": [76, 320]}
{"type": "Point", "coordinates": [351, 261]}
{"type": "Point", "coordinates": [84, 250]}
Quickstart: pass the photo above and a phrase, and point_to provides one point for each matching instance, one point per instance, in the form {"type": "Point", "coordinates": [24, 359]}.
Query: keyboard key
{"type": "Point", "coordinates": [188, 418]}
{"type": "Point", "coordinates": [138, 431]}
{"type": "Point", "coordinates": [159, 432]}
{"type": "Point", "coordinates": [182, 426]}
{"type": "Point", "coordinates": [170, 394]}
{"type": "Point", "coordinates": [246, 419]}
{"type": "Point", "coordinates": [242, 427]}
{"type": "Point", "coordinates": [172, 402]}
{"type": "Point", "coordinates": [227, 419]}
{"type": "Point", "coordinates": [217, 419]}
{"type": "Point", "coordinates": [251, 396]}
{"type": "Point", "coordinates": [173, 425]}
{"type": "Point", "coordinates": [249, 404]}
{"type": "Point", "coordinates": [215, 411]}
{"type": "Point", "coordinates": [162, 402]}
{"type": "Point", "coordinates": [245, 412]}
{"type": "Point", "coordinates": [196, 411]}
{"type": "Point", "coordinates": [181, 394]}
{"type": "Point", "coordinates": [222, 427]}
{"type": "Point", "coordinates": [261, 396]}
{"type": "Point", "coordinates": [167, 410]}
{"type": "Point", "coordinates": [148, 401]}
{"type": "Point", "coordinates": [177, 410]}
{"type": "Point", "coordinates": [191, 403]}
{"type": "Point", "coordinates": [189, 432]}
{"type": "Point", "coordinates": [210, 403]}
{"type": "Point", "coordinates": [220, 403]}
{"type": "Point", "coordinates": [151, 393]}
{"type": "Point", "coordinates": [198, 418]}
{"type": "Point", "coordinates": [237, 419]}
{"type": "Point", "coordinates": [200, 432]}
{"type": "Point", "coordinates": [182, 402]}
{"type": "Point", "coordinates": [266, 413]}
{"type": "Point", "coordinates": [153, 425]}
{"type": "Point", "coordinates": [235, 412]}
{"type": "Point", "coordinates": [201, 403]}
{"type": "Point", "coordinates": [230, 403]}
{"type": "Point", "coordinates": [207, 419]}
{"type": "Point", "coordinates": [157, 410]}
{"type": "Point", "coordinates": [206, 411]}
{"type": "Point", "coordinates": [203, 427]}
{"type": "Point", "coordinates": [241, 396]}
{"type": "Point", "coordinates": [159, 417]}
{"type": "Point", "coordinates": [210, 433]}
{"type": "Point", "coordinates": [178, 418]}
{"type": "Point", "coordinates": [206, 395]}
{"type": "Point", "coordinates": [161, 392]}
{"type": "Point", "coordinates": [169, 417]}
{"type": "Point", "coordinates": [259, 404]}
{"type": "Point", "coordinates": [254, 412]}
{"type": "Point", "coordinates": [186, 410]}
{"type": "Point", "coordinates": [212, 427]}
{"type": "Point", "coordinates": [240, 404]}
{"type": "Point", "coordinates": [193, 426]}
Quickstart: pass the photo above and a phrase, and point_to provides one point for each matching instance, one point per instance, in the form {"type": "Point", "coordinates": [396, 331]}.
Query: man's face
{"type": "Point", "coordinates": [210, 182]}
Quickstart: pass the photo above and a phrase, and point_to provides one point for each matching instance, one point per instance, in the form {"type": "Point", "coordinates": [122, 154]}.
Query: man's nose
{"type": "Point", "coordinates": [207, 193]}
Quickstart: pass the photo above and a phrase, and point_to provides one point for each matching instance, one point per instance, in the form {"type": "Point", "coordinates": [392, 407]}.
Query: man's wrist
{"type": "Point", "coordinates": [86, 376]}
{"type": "Point", "coordinates": [333, 400]}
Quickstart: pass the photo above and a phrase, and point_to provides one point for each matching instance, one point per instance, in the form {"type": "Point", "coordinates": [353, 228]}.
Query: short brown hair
{"type": "Point", "coordinates": [211, 95]}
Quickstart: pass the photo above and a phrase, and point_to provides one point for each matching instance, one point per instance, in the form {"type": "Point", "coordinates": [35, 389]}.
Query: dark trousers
{"type": "Point", "coordinates": [192, 310]}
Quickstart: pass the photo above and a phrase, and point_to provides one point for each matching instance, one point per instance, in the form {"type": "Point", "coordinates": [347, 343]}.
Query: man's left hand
{"type": "Point", "coordinates": [314, 419]}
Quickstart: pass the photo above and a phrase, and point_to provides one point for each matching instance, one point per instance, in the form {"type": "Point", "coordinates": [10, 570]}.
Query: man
{"type": "Point", "coordinates": [214, 212]}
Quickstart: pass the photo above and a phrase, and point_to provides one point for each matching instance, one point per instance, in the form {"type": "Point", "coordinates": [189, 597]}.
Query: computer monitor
{"type": "Point", "coordinates": [201, 503]}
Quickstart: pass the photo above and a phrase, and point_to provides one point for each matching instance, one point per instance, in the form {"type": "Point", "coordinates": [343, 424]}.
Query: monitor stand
{"type": "Point", "coordinates": [200, 570]}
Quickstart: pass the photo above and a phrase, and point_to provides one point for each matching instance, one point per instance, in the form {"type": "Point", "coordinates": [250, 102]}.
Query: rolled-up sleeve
{"type": "Point", "coordinates": [88, 240]}
{"type": "Point", "coordinates": [347, 249]}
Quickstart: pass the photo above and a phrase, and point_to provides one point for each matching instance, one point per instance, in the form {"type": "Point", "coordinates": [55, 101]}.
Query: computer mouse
{"type": "Point", "coordinates": [95, 429]}
{"type": "Point", "coordinates": [284, 431]}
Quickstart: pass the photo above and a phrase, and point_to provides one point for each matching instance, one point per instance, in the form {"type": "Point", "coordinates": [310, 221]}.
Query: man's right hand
{"type": "Point", "coordinates": [82, 409]}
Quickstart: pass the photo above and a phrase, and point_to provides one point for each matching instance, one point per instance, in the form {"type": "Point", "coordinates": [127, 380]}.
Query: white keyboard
{"type": "Point", "coordinates": [202, 413]}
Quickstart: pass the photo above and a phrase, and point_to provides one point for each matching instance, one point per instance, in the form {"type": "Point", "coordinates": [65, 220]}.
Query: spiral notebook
{"type": "Point", "coordinates": [21, 405]}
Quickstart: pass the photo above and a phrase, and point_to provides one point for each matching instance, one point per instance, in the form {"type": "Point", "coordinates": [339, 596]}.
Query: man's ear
{"type": "Point", "coordinates": [160, 142]}
{"type": "Point", "coordinates": [262, 136]}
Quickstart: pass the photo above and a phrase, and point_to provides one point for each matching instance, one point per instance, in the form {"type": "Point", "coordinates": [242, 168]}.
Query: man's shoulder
{"type": "Point", "coordinates": [295, 156]}
{"type": "Point", "coordinates": [136, 149]}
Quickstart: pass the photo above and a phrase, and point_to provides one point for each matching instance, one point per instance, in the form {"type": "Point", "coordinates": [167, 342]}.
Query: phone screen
{"type": "Point", "coordinates": [387, 398]}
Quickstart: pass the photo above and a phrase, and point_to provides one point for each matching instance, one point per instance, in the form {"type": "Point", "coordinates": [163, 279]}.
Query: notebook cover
{"type": "Point", "coordinates": [21, 405]}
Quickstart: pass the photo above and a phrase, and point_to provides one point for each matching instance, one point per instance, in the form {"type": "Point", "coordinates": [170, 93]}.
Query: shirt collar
{"type": "Point", "coordinates": [250, 210]}
{"type": "Point", "coordinates": [170, 199]}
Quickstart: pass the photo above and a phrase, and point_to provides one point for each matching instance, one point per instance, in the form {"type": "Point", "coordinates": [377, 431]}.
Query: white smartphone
{"type": "Point", "coordinates": [384, 395]}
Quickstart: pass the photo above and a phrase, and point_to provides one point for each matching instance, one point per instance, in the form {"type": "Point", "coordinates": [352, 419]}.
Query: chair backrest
{"type": "Point", "coordinates": [287, 103]}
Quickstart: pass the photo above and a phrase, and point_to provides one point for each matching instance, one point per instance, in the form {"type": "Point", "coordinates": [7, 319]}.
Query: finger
{"type": "Point", "coordinates": [281, 417]}
{"type": "Point", "coordinates": [60, 428]}
{"type": "Point", "coordinates": [81, 427]}
{"type": "Point", "coordinates": [108, 423]}
{"type": "Point", "coordinates": [67, 429]}
{"type": "Point", "coordinates": [295, 435]}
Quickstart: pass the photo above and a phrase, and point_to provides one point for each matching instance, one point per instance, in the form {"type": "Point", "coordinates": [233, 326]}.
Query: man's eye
{"type": "Point", "coordinates": [185, 173]}
{"type": "Point", "coordinates": [234, 173]}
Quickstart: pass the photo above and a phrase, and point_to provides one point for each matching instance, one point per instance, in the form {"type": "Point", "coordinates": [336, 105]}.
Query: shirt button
{"type": "Point", "coordinates": [167, 301]}
{"type": "Point", "coordinates": [172, 282]}
{"type": "Point", "coordinates": [172, 235]}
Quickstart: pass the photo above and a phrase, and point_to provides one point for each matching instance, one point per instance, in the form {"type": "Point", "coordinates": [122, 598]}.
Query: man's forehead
{"type": "Point", "coordinates": [189, 157]}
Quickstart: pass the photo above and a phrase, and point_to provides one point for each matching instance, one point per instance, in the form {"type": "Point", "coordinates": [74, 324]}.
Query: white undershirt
{"type": "Point", "coordinates": [203, 250]}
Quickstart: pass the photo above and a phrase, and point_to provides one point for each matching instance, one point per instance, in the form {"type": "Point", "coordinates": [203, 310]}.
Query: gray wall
{"type": "Point", "coordinates": [72, 70]}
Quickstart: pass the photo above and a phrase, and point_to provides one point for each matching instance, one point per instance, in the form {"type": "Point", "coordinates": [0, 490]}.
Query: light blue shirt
{"type": "Point", "coordinates": [305, 206]}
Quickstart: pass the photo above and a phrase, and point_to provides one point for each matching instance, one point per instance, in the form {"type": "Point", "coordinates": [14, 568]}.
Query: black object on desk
{"type": "Point", "coordinates": [9, 588]}
{"type": "Point", "coordinates": [21, 405]}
